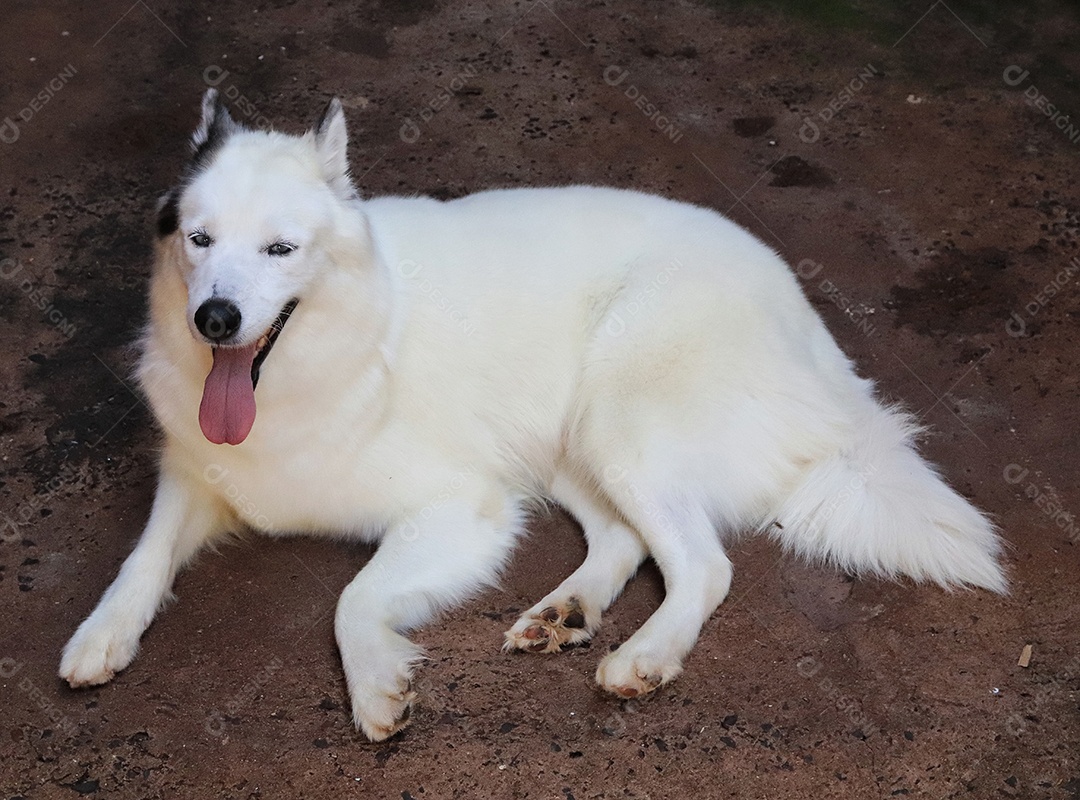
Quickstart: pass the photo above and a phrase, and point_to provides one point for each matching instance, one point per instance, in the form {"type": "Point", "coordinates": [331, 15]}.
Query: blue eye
{"type": "Point", "coordinates": [280, 249]}
{"type": "Point", "coordinates": [200, 239]}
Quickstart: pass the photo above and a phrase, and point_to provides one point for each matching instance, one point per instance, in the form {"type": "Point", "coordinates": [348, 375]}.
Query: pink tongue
{"type": "Point", "coordinates": [227, 411]}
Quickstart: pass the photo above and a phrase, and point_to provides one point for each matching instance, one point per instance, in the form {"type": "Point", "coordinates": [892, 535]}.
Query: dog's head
{"type": "Point", "coordinates": [250, 226]}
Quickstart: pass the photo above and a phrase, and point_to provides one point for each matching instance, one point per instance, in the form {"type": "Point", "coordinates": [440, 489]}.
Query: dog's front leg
{"type": "Point", "coordinates": [421, 566]}
{"type": "Point", "coordinates": [184, 516]}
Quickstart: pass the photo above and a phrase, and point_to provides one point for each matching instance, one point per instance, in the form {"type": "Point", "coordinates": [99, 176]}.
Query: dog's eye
{"type": "Point", "coordinates": [280, 249]}
{"type": "Point", "coordinates": [200, 239]}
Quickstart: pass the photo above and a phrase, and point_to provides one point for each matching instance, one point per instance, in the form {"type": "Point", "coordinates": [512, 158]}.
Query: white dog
{"type": "Point", "coordinates": [438, 366]}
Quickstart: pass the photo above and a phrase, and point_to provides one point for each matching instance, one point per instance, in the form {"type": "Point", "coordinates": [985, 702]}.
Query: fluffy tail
{"type": "Point", "coordinates": [880, 508]}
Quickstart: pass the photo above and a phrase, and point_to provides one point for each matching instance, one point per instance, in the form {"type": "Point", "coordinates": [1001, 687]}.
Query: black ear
{"type": "Point", "coordinates": [168, 215]}
{"type": "Point", "coordinates": [332, 145]}
{"type": "Point", "coordinates": [214, 128]}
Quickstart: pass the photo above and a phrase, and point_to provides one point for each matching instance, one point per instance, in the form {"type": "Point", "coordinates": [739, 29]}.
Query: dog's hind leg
{"type": "Point", "coordinates": [571, 613]}
{"type": "Point", "coordinates": [183, 518]}
{"type": "Point", "coordinates": [422, 565]}
{"type": "Point", "coordinates": [697, 576]}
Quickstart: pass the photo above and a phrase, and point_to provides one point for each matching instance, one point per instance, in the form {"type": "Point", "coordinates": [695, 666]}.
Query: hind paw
{"type": "Point", "coordinates": [378, 671]}
{"type": "Point", "coordinates": [627, 673]}
{"type": "Point", "coordinates": [548, 627]}
{"type": "Point", "coordinates": [382, 714]}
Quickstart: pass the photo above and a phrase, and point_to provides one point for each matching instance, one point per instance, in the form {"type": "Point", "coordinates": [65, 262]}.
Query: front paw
{"type": "Point", "coordinates": [379, 676]}
{"type": "Point", "coordinates": [100, 648]}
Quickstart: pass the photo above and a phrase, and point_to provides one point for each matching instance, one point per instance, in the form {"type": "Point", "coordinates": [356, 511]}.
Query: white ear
{"type": "Point", "coordinates": [215, 126]}
{"type": "Point", "coordinates": [332, 144]}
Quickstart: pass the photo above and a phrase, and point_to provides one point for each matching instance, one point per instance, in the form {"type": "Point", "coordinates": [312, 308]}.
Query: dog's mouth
{"type": "Point", "coordinates": [227, 411]}
{"type": "Point", "coordinates": [266, 342]}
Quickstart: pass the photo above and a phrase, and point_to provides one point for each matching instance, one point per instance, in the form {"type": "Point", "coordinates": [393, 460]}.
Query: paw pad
{"type": "Point", "coordinates": [550, 629]}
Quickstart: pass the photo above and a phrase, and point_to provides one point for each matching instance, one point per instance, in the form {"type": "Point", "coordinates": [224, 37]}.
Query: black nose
{"type": "Point", "coordinates": [217, 319]}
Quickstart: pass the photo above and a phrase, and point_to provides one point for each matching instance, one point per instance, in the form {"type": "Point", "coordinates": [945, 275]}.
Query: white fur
{"type": "Point", "coordinates": [647, 363]}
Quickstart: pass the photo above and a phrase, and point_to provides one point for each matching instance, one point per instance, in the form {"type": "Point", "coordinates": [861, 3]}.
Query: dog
{"type": "Point", "coordinates": [420, 374]}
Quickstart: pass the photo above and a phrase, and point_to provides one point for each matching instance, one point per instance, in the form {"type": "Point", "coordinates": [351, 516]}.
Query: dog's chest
{"type": "Point", "coordinates": [306, 492]}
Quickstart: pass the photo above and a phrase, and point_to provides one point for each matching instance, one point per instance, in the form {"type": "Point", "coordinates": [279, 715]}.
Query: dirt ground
{"type": "Point", "coordinates": [913, 160]}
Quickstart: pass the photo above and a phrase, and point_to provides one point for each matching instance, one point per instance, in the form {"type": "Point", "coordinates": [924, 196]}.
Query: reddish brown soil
{"type": "Point", "coordinates": [938, 202]}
